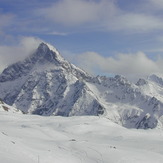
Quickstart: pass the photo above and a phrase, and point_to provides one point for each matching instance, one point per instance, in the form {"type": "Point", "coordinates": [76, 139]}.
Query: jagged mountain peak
{"type": "Point", "coordinates": [45, 57]}
{"type": "Point", "coordinates": [42, 55]}
{"type": "Point", "coordinates": [121, 79]}
{"type": "Point", "coordinates": [46, 52]}
{"type": "Point", "coordinates": [157, 78]}
{"type": "Point", "coordinates": [141, 82]}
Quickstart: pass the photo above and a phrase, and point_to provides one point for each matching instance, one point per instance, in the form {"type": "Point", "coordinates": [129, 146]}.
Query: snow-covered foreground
{"type": "Point", "coordinates": [33, 139]}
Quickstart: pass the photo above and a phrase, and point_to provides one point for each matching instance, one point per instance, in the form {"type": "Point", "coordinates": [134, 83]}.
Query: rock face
{"type": "Point", "coordinates": [6, 108]}
{"type": "Point", "coordinates": [46, 84]}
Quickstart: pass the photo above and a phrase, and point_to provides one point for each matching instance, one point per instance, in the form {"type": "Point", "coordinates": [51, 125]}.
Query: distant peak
{"type": "Point", "coordinates": [157, 78]}
{"type": "Point", "coordinates": [141, 82]}
{"type": "Point", "coordinates": [120, 78]}
{"type": "Point", "coordinates": [155, 75]}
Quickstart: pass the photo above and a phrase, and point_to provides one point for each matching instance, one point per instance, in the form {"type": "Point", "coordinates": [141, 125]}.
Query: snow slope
{"type": "Point", "coordinates": [87, 139]}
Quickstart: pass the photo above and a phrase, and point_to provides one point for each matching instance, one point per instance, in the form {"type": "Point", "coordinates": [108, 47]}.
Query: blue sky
{"type": "Point", "coordinates": [101, 36]}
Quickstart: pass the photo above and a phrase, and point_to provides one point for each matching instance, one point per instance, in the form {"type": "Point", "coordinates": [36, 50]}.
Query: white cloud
{"type": "Point", "coordinates": [11, 54]}
{"type": "Point", "coordinates": [75, 15]}
{"type": "Point", "coordinates": [131, 65]}
{"type": "Point", "coordinates": [57, 33]}
{"type": "Point", "coordinates": [136, 22]}
{"type": "Point", "coordinates": [77, 12]}
{"type": "Point", "coordinates": [158, 4]}
{"type": "Point", "coordinates": [102, 14]}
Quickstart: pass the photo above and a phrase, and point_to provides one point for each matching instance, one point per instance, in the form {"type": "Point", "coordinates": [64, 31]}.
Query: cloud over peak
{"type": "Point", "coordinates": [11, 54]}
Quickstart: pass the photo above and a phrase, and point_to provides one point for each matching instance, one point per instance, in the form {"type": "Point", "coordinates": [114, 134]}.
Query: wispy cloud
{"type": "Point", "coordinates": [131, 65]}
{"type": "Point", "coordinates": [58, 33]}
{"type": "Point", "coordinates": [156, 4]}
{"type": "Point", "coordinates": [104, 14]}
{"type": "Point", "coordinates": [70, 15]}
{"type": "Point", "coordinates": [76, 12]}
{"type": "Point", "coordinates": [135, 22]}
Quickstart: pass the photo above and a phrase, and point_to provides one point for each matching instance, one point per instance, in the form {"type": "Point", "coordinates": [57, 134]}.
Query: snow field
{"type": "Point", "coordinates": [88, 139]}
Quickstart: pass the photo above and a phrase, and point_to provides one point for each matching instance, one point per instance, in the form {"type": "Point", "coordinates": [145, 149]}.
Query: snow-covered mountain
{"type": "Point", "coordinates": [46, 84]}
{"type": "Point", "coordinates": [129, 104]}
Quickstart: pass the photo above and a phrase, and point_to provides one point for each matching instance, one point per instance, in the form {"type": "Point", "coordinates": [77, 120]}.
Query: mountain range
{"type": "Point", "coordinates": [46, 84]}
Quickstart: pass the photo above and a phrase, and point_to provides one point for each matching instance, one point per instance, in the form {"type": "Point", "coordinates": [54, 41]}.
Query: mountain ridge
{"type": "Point", "coordinates": [46, 84]}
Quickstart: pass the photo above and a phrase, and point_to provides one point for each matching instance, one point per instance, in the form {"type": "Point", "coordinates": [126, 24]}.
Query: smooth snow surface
{"type": "Point", "coordinates": [88, 139]}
